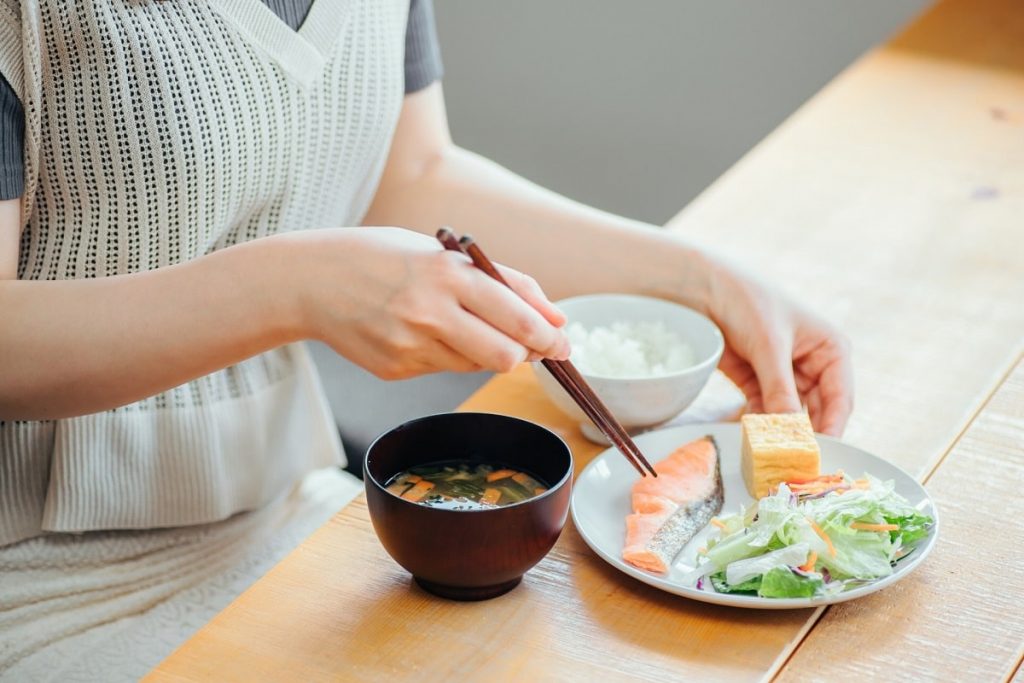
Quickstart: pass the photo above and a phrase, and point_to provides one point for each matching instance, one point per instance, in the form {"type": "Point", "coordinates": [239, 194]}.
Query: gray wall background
{"type": "Point", "coordinates": [633, 107]}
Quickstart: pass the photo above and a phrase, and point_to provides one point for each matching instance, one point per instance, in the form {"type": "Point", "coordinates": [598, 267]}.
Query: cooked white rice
{"type": "Point", "coordinates": [627, 349]}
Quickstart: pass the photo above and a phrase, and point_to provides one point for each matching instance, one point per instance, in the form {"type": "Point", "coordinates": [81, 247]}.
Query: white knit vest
{"type": "Point", "coordinates": [157, 132]}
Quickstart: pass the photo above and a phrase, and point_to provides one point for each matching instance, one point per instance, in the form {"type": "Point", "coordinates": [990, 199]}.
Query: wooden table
{"type": "Point", "coordinates": [893, 202]}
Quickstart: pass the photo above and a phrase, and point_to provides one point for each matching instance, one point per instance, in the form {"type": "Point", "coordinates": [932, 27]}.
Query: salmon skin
{"type": "Point", "coordinates": [669, 510]}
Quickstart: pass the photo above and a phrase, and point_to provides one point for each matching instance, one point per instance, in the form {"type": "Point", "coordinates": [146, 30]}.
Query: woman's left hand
{"type": "Point", "coordinates": [779, 354]}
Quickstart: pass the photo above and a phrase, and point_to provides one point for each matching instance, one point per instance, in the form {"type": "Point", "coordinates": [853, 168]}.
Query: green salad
{"type": "Point", "coordinates": [810, 539]}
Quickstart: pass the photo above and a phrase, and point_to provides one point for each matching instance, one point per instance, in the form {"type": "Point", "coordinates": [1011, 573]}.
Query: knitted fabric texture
{"type": "Point", "coordinates": [158, 132]}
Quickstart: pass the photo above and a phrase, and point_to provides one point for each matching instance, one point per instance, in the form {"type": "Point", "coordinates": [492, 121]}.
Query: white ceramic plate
{"type": "Point", "coordinates": [601, 501]}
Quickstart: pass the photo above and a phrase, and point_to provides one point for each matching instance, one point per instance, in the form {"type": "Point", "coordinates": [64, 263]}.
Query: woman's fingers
{"type": "Point", "coordinates": [527, 288]}
{"type": "Point", "coordinates": [826, 363]}
{"type": "Point", "coordinates": [823, 378]}
{"type": "Point", "coordinates": [772, 360]}
{"type": "Point", "coordinates": [442, 358]}
{"type": "Point", "coordinates": [813, 401]}
{"type": "Point", "coordinates": [742, 375]}
{"type": "Point", "coordinates": [503, 309]}
{"type": "Point", "coordinates": [479, 342]}
{"type": "Point", "coordinates": [414, 355]}
{"type": "Point", "coordinates": [835, 387]}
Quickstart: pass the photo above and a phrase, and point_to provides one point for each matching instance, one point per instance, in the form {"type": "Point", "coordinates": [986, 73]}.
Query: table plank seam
{"type": "Point", "coordinates": [798, 640]}
{"type": "Point", "coordinates": [932, 468]}
{"type": "Point", "coordinates": [790, 649]}
{"type": "Point", "coordinates": [1015, 671]}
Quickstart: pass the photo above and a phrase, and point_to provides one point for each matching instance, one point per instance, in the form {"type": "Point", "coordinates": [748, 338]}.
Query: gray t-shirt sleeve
{"type": "Point", "coordinates": [12, 143]}
{"type": "Point", "coordinates": [422, 67]}
{"type": "Point", "coordinates": [422, 49]}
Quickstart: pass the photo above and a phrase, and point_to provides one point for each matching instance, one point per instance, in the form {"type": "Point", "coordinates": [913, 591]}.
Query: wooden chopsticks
{"type": "Point", "coordinates": [563, 370]}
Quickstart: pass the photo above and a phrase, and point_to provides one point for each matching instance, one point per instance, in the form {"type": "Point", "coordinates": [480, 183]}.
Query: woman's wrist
{"type": "Point", "coordinates": [682, 272]}
{"type": "Point", "coordinates": [271, 273]}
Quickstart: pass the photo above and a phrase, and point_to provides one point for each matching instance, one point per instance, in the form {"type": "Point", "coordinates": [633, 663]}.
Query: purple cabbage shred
{"type": "Point", "coordinates": [841, 487]}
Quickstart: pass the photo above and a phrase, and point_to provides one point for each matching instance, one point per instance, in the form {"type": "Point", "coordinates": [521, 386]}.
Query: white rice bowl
{"type": "Point", "coordinates": [646, 358]}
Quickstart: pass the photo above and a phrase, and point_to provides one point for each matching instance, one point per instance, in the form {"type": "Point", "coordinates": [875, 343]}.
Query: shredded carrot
{"type": "Point", "coordinates": [539, 490]}
{"type": "Point", "coordinates": [810, 488]}
{"type": "Point", "coordinates": [420, 489]}
{"type": "Point", "coordinates": [521, 478]}
{"type": "Point", "coordinates": [702, 550]}
{"type": "Point", "coordinates": [501, 474]}
{"type": "Point", "coordinates": [717, 522]}
{"type": "Point", "coordinates": [824, 537]}
{"type": "Point", "coordinates": [808, 566]}
{"type": "Point", "coordinates": [490, 497]}
{"type": "Point", "coordinates": [864, 526]}
{"type": "Point", "coordinates": [822, 479]}
{"type": "Point", "coordinates": [413, 478]}
{"type": "Point", "coordinates": [818, 488]}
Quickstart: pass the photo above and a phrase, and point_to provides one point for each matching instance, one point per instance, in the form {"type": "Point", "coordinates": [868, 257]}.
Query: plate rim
{"type": "Point", "coordinates": [752, 601]}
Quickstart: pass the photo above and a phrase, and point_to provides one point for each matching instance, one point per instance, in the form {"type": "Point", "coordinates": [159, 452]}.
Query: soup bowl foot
{"type": "Point", "coordinates": [468, 593]}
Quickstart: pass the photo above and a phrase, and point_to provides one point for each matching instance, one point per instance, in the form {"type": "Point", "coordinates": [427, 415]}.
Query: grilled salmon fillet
{"type": "Point", "coordinates": [670, 509]}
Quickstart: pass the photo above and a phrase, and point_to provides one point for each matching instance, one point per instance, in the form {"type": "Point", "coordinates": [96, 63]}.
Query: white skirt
{"type": "Point", "coordinates": [111, 605]}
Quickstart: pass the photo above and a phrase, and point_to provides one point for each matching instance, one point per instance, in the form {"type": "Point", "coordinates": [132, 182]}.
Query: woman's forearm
{"type": "Point", "coordinates": [776, 352]}
{"type": "Point", "coordinates": [78, 346]}
{"type": "Point", "coordinates": [392, 301]}
{"type": "Point", "coordinates": [568, 247]}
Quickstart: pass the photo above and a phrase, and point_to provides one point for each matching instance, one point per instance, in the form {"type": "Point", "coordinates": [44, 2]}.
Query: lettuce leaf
{"type": "Point", "coordinates": [779, 582]}
{"type": "Point", "coordinates": [722, 586]}
{"type": "Point", "coordinates": [913, 527]}
{"type": "Point", "coordinates": [762, 535]}
{"type": "Point", "coordinates": [859, 554]}
{"type": "Point", "coordinates": [744, 570]}
{"type": "Point", "coordinates": [783, 582]}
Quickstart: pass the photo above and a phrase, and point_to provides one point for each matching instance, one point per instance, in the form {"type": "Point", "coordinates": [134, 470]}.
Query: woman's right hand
{"type": "Point", "coordinates": [396, 303]}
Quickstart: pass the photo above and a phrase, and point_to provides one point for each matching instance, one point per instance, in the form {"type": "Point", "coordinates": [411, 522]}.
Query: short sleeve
{"type": "Point", "coordinates": [422, 49]}
{"type": "Point", "coordinates": [12, 143]}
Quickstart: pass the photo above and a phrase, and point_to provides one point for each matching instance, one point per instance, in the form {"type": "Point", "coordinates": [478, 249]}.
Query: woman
{"type": "Point", "coordinates": [174, 225]}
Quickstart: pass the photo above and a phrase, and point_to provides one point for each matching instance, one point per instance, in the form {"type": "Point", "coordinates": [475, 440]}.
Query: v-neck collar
{"type": "Point", "coordinates": [301, 53]}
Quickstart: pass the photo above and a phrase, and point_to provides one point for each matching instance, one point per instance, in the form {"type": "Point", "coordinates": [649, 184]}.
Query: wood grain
{"type": "Point", "coordinates": [959, 617]}
{"type": "Point", "coordinates": [891, 202]}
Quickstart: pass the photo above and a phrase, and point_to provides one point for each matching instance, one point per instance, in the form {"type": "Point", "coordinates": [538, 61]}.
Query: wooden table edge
{"type": "Point", "coordinates": [1019, 669]}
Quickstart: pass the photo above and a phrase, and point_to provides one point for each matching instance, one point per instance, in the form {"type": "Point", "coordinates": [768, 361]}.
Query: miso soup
{"type": "Point", "coordinates": [465, 485]}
